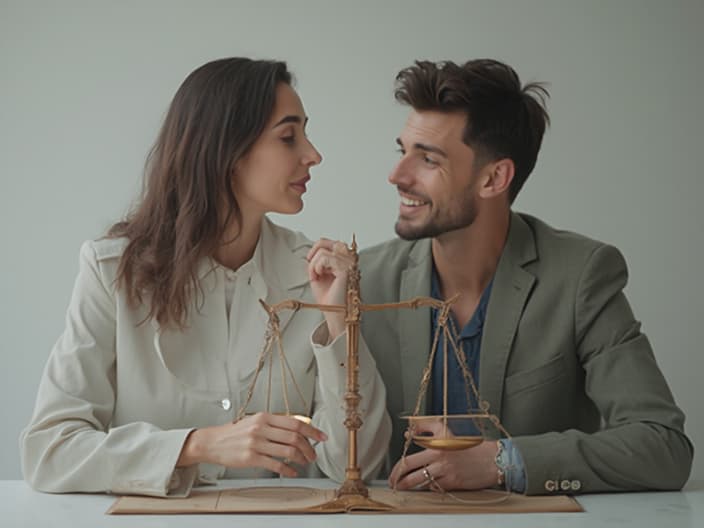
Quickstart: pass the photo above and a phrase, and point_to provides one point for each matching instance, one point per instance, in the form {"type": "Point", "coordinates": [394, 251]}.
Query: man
{"type": "Point", "coordinates": [541, 316]}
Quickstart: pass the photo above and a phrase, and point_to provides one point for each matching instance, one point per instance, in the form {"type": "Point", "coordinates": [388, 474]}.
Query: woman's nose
{"type": "Point", "coordinates": [312, 156]}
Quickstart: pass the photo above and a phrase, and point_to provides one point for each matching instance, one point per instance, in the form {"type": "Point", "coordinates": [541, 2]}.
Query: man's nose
{"type": "Point", "coordinates": [399, 173]}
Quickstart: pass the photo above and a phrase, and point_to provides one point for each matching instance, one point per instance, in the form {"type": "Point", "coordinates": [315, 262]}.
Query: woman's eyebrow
{"type": "Point", "coordinates": [291, 119]}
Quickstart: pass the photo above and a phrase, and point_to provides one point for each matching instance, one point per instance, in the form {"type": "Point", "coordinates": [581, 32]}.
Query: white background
{"type": "Point", "coordinates": [84, 86]}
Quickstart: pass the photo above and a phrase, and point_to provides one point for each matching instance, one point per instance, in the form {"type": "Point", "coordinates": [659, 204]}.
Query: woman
{"type": "Point", "coordinates": [164, 328]}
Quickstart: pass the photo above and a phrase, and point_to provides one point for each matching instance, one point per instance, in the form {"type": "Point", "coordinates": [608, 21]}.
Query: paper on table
{"type": "Point", "coordinates": [285, 499]}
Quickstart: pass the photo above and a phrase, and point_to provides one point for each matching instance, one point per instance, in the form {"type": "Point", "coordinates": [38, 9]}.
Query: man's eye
{"type": "Point", "coordinates": [429, 161]}
{"type": "Point", "coordinates": [400, 151]}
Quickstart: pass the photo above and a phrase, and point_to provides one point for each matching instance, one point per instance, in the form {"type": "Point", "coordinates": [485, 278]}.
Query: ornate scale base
{"type": "Point", "coordinates": [353, 495]}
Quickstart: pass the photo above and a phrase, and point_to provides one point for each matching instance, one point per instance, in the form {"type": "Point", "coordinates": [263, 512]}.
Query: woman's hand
{"type": "Point", "coordinates": [262, 440]}
{"type": "Point", "coordinates": [328, 264]}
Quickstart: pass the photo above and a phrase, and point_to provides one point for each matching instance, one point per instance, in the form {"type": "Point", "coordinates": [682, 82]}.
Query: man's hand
{"type": "Point", "coordinates": [328, 264]}
{"type": "Point", "coordinates": [468, 469]}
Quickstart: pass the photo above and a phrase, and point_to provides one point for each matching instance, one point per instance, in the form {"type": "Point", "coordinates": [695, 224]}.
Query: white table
{"type": "Point", "coordinates": [24, 508]}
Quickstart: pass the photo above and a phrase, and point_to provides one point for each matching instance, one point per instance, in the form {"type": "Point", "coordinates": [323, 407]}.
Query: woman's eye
{"type": "Point", "coordinates": [430, 161]}
{"type": "Point", "coordinates": [288, 139]}
{"type": "Point", "coordinates": [400, 151]}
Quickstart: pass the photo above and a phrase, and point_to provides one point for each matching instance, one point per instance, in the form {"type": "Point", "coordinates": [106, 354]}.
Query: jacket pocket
{"type": "Point", "coordinates": [532, 379]}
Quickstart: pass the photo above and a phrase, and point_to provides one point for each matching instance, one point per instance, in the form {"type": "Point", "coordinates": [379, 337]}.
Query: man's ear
{"type": "Point", "coordinates": [497, 179]}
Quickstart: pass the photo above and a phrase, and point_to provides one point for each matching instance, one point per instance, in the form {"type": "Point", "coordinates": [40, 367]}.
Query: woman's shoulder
{"type": "Point", "coordinates": [291, 239]}
{"type": "Point", "coordinates": [98, 264]}
{"type": "Point", "coordinates": [103, 248]}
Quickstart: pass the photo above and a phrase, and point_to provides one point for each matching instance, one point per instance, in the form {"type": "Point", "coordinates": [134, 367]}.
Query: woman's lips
{"type": "Point", "coordinates": [300, 185]}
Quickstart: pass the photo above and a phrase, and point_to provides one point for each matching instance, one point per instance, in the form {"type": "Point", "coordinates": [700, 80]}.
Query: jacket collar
{"type": "Point", "coordinates": [520, 243]}
{"type": "Point", "coordinates": [511, 289]}
{"type": "Point", "coordinates": [281, 246]}
{"type": "Point", "coordinates": [414, 324]}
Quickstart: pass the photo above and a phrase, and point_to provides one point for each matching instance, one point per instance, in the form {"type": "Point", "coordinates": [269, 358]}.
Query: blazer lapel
{"type": "Point", "coordinates": [281, 274]}
{"type": "Point", "coordinates": [414, 324]}
{"type": "Point", "coordinates": [510, 292]}
{"type": "Point", "coordinates": [284, 267]}
{"type": "Point", "coordinates": [195, 358]}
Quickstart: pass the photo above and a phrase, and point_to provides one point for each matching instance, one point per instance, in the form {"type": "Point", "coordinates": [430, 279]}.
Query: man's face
{"type": "Point", "coordinates": [435, 177]}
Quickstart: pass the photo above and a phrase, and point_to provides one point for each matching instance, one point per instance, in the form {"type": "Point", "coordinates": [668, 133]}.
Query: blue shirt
{"type": "Point", "coordinates": [469, 345]}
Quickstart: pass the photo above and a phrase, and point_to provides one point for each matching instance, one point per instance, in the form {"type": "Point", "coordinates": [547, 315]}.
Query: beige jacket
{"type": "Point", "coordinates": [117, 398]}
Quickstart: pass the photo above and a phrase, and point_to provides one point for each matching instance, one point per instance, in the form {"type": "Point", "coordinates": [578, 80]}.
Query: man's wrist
{"type": "Point", "coordinates": [510, 461]}
{"type": "Point", "coordinates": [500, 463]}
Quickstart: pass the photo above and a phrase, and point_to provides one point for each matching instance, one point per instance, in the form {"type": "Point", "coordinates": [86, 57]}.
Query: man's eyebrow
{"type": "Point", "coordinates": [424, 147]}
{"type": "Point", "coordinates": [291, 119]}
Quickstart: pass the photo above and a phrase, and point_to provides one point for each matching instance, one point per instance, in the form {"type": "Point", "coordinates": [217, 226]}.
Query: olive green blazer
{"type": "Point", "coordinates": [563, 362]}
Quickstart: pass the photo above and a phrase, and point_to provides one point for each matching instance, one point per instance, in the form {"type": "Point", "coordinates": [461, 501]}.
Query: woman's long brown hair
{"type": "Point", "coordinates": [214, 119]}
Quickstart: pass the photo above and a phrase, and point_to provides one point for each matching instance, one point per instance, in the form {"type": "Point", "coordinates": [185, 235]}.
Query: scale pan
{"type": "Point", "coordinates": [452, 432]}
{"type": "Point", "coordinates": [450, 443]}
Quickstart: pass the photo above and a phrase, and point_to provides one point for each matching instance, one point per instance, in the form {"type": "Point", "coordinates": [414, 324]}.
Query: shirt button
{"type": "Point", "coordinates": [226, 404]}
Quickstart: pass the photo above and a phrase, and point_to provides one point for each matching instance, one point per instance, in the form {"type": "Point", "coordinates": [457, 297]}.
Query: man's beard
{"type": "Point", "coordinates": [461, 214]}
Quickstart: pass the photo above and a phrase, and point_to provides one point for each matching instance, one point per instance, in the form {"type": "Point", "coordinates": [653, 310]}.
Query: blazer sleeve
{"type": "Point", "coordinates": [69, 445]}
{"type": "Point", "coordinates": [329, 408]}
{"type": "Point", "coordinates": [641, 444]}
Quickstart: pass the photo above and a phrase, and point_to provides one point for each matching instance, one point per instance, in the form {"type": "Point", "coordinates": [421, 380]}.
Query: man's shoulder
{"type": "Point", "coordinates": [551, 239]}
{"type": "Point", "coordinates": [393, 254]}
{"type": "Point", "coordinates": [564, 253]}
{"type": "Point", "coordinates": [388, 247]}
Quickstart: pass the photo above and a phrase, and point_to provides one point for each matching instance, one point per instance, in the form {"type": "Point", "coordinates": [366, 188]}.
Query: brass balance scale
{"type": "Point", "coordinates": [353, 493]}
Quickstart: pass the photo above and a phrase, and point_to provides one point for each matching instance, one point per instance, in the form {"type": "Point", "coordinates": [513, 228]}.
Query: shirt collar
{"type": "Point", "coordinates": [275, 259]}
{"type": "Point", "coordinates": [475, 324]}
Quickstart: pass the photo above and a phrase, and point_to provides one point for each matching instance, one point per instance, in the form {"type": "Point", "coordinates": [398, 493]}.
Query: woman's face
{"type": "Point", "coordinates": [272, 177]}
